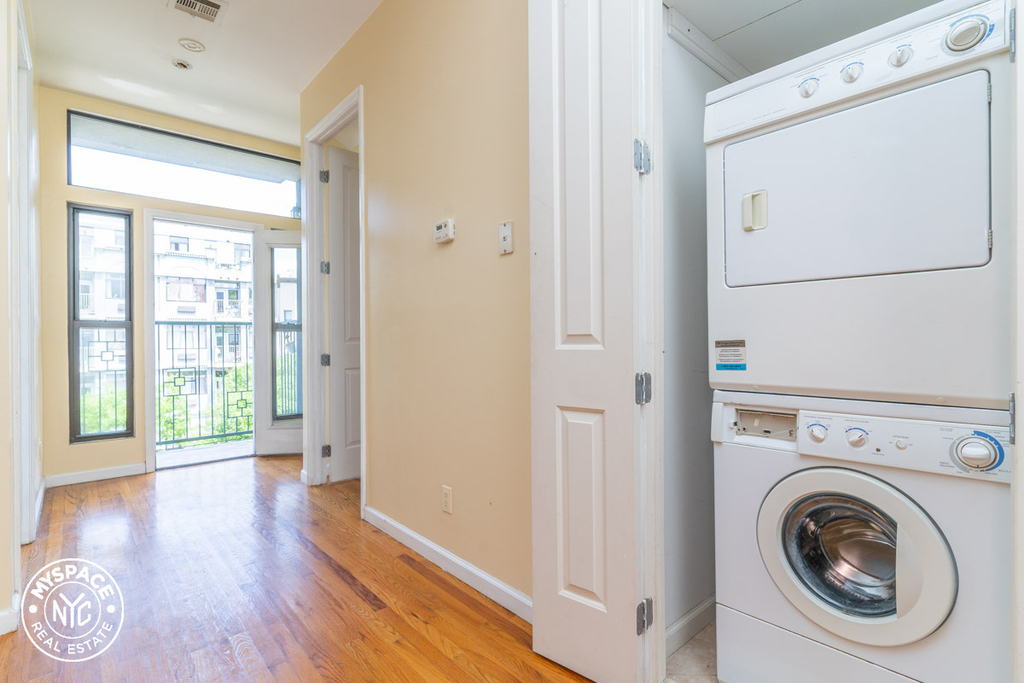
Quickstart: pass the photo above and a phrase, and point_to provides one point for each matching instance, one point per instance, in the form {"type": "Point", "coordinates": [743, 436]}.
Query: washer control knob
{"type": "Point", "coordinates": [901, 444]}
{"type": "Point", "coordinates": [817, 433]}
{"type": "Point", "coordinates": [901, 56]}
{"type": "Point", "coordinates": [976, 453]}
{"type": "Point", "coordinates": [856, 437]}
{"type": "Point", "coordinates": [808, 87]}
{"type": "Point", "coordinates": [966, 34]}
{"type": "Point", "coordinates": [851, 73]}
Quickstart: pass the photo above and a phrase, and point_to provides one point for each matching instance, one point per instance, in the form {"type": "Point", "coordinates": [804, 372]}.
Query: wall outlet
{"type": "Point", "coordinates": [505, 238]}
{"type": "Point", "coordinates": [446, 499]}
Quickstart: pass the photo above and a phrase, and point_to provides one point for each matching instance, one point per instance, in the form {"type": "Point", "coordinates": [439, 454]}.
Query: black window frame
{"type": "Point", "coordinates": [75, 325]}
{"type": "Point", "coordinates": [275, 327]}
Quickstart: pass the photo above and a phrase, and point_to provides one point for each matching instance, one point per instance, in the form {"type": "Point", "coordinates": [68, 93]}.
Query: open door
{"type": "Point", "coordinates": [278, 342]}
{"type": "Point", "coordinates": [343, 304]}
{"type": "Point", "coordinates": [588, 337]}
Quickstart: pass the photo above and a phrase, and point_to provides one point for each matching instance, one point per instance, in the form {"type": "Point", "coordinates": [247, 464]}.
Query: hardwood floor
{"type": "Point", "coordinates": [235, 571]}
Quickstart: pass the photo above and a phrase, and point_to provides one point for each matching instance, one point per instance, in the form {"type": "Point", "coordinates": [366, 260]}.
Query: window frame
{"type": "Point", "coordinates": [275, 327]}
{"type": "Point", "coordinates": [71, 113]}
{"type": "Point", "coordinates": [75, 325]}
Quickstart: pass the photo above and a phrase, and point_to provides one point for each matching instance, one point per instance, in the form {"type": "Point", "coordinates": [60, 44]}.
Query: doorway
{"type": "Point", "coordinates": [204, 343]}
{"type": "Point", "coordinates": [335, 299]}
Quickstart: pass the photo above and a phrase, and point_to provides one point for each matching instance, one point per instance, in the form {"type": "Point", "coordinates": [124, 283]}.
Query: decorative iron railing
{"type": "Point", "coordinates": [204, 392]}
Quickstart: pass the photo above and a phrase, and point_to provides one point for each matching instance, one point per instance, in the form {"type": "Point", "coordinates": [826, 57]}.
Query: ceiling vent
{"type": "Point", "coordinates": [204, 9]}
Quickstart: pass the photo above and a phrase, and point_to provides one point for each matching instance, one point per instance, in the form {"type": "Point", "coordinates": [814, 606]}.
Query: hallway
{"type": "Point", "coordinates": [235, 571]}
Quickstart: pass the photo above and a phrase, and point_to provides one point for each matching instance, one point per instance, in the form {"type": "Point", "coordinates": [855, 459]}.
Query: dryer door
{"type": "Point", "coordinates": [897, 185]}
{"type": "Point", "coordinates": [857, 556]}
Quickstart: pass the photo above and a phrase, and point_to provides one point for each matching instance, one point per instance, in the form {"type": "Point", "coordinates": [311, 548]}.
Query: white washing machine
{"type": "Point", "coordinates": [860, 208]}
{"type": "Point", "coordinates": [860, 542]}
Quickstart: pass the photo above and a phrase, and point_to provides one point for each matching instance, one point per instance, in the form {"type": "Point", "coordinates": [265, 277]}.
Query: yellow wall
{"type": "Point", "coordinates": [448, 342]}
{"type": "Point", "coordinates": [59, 456]}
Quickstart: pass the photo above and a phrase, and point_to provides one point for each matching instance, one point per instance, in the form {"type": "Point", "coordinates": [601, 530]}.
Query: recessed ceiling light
{"type": "Point", "coordinates": [181, 64]}
{"type": "Point", "coordinates": [192, 45]}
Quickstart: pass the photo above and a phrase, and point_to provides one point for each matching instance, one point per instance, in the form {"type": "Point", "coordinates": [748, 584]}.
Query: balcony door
{"type": "Point", "coordinates": [223, 340]}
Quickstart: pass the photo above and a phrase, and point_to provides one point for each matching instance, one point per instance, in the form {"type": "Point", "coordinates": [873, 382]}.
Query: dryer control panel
{"type": "Point", "coordinates": [976, 452]}
{"type": "Point", "coordinates": [976, 31]}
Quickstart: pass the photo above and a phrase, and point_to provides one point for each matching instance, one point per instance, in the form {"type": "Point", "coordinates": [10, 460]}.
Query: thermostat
{"type": "Point", "coordinates": [444, 231]}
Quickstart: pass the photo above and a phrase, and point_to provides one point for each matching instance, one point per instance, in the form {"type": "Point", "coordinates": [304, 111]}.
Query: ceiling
{"type": "Point", "coordinates": [258, 58]}
{"type": "Point", "coordinates": [763, 33]}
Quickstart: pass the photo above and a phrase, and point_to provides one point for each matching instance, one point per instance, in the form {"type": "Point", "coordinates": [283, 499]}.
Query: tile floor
{"type": "Point", "coordinates": [695, 661]}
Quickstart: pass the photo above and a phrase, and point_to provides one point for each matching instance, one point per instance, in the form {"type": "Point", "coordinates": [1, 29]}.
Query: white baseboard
{"type": "Point", "coordinates": [9, 617]}
{"type": "Point", "coordinates": [303, 477]}
{"type": "Point", "coordinates": [508, 597]}
{"type": "Point", "coordinates": [95, 475]}
{"type": "Point", "coordinates": [689, 625]}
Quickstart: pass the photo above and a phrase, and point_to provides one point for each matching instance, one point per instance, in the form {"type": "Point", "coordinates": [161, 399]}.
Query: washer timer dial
{"type": "Point", "coordinates": [976, 453]}
{"type": "Point", "coordinates": [967, 33]}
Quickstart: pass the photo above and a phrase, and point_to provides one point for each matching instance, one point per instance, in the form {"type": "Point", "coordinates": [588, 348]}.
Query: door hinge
{"type": "Point", "coordinates": [325, 176]}
{"type": "Point", "coordinates": [1013, 419]}
{"type": "Point", "coordinates": [1013, 35]}
{"type": "Point", "coordinates": [644, 616]}
{"type": "Point", "coordinates": [325, 359]}
{"type": "Point", "coordinates": [325, 451]}
{"type": "Point", "coordinates": [325, 267]}
{"type": "Point", "coordinates": [990, 238]}
{"type": "Point", "coordinates": [641, 157]}
{"type": "Point", "coordinates": [990, 93]}
{"type": "Point", "coordinates": [643, 388]}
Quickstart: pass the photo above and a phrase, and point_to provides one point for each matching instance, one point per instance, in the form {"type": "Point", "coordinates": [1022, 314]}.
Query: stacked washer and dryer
{"type": "Point", "coordinates": [860, 247]}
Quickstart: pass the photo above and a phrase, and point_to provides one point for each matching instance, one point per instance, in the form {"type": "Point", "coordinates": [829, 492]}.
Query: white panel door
{"type": "Point", "coordinates": [584, 339]}
{"type": "Point", "coordinates": [343, 303]}
{"type": "Point", "coordinates": [277, 351]}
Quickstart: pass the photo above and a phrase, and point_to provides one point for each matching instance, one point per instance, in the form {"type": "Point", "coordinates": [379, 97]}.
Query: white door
{"type": "Point", "coordinates": [278, 342]}
{"type": "Point", "coordinates": [585, 337]}
{"type": "Point", "coordinates": [897, 185]}
{"type": "Point", "coordinates": [343, 304]}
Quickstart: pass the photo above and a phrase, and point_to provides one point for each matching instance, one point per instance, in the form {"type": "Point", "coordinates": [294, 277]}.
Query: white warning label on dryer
{"type": "Point", "coordinates": [731, 354]}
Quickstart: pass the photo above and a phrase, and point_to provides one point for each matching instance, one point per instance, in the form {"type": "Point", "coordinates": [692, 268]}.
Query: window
{"type": "Point", "coordinates": [243, 252]}
{"type": "Point", "coordinates": [104, 154]}
{"type": "Point", "coordinates": [115, 287]}
{"type": "Point", "coordinates": [186, 289]}
{"type": "Point", "coordinates": [179, 244]}
{"type": "Point", "coordinates": [227, 301]}
{"type": "Point", "coordinates": [287, 329]}
{"type": "Point", "coordinates": [100, 327]}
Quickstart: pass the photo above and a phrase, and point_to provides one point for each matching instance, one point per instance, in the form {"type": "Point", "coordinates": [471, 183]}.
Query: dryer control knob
{"type": "Point", "coordinates": [851, 73]}
{"type": "Point", "coordinates": [856, 437]}
{"type": "Point", "coordinates": [817, 433]}
{"type": "Point", "coordinates": [809, 87]}
{"type": "Point", "coordinates": [901, 56]}
{"type": "Point", "coordinates": [976, 453]}
{"type": "Point", "coordinates": [967, 34]}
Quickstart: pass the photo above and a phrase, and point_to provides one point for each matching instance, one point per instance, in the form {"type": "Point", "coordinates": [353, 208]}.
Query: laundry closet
{"type": "Point", "coordinates": [755, 406]}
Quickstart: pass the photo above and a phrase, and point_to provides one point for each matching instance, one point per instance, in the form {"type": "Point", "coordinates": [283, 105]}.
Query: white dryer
{"type": "Point", "coordinates": [860, 541]}
{"type": "Point", "coordinates": [860, 208]}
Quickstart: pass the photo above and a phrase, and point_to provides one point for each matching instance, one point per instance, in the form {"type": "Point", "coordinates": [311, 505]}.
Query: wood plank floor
{"type": "Point", "coordinates": [235, 571]}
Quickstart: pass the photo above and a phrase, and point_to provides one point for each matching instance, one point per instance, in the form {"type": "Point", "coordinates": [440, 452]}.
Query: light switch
{"type": "Point", "coordinates": [505, 238]}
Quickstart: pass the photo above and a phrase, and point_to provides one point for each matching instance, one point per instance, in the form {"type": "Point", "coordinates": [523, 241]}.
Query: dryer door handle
{"type": "Point", "coordinates": [909, 573]}
{"type": "Point", "coordinates": [755, 211]}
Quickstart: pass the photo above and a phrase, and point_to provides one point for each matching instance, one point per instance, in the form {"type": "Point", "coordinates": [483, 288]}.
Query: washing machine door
{"type": "Point", "coordinates": [857, 556]}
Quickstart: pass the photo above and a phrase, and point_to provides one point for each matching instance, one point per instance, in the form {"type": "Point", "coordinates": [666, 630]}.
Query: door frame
{"type": "Point", "coordinates": [316, 423]}
{"type": "Point", "coordinates": [149, 303]}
